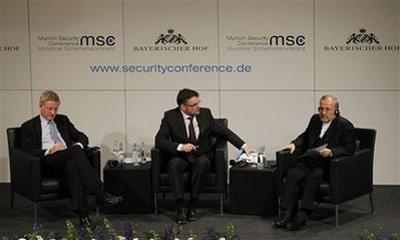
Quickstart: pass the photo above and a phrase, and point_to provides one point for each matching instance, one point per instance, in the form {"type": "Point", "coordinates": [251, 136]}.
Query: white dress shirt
{"type": "Point", "coordinates": [47, 142]}
{"type": "Point", "coordinates": [325, 126]}
{"type": "Point", "coordinates": [187, 122]}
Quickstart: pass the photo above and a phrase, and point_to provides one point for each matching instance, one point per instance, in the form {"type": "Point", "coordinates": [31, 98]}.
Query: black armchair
{"type": "Point", "coordinates": [216, 180]}
{"type": "Point", "coordinates": [30, 180]}
{"type": "Point", "coordinates": [349, 177]}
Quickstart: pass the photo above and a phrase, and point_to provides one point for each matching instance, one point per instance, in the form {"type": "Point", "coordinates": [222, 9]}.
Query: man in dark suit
{"type": "Point", "coordinates": [329, 128]}
{"type": "Point", "coordinates": [59, 145]}
{"type": "Point", "coordinates": [184, 134]}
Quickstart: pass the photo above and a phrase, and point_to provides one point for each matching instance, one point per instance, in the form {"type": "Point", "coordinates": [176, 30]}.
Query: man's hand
{"type": "Point", "coordinates": [291, 147]}
{"type": "Point", "coordinates": [59, 146]}
{"type": "Point", "coordinates": [326, 152]}
{"type": "Point", "coordinates": [247, 150]}
{"type": "Point", "coordinates": [188, 147]}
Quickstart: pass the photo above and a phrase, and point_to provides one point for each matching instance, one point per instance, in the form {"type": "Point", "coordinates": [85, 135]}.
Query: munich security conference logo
{"type": "Point", "coordinates": [171, 37]}
{"type": "Point", "coordinates": [362, 37]}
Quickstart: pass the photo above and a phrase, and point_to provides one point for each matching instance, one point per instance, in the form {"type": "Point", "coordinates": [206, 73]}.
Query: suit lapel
{"type": "Point", "coordinates": [37, 128]}
{"type": "Point", "coordinates": [200, 122]}
{"type": "Point", "coordinates": [181, 124]}
{"type": "Point", "coordinates": [62, 130]}
{"type": "Point", "coordinates": [316, 130]}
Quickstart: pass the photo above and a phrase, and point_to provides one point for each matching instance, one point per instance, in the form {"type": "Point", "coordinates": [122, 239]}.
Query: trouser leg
{"type": "Point", "coordinates": [293, 178]}
{"type": "Point", "coordinates": [311, 187]}
{"type": "Point", "coordinates": [199, 173]}
{"type": "Point", "coordinates": [176, 169]}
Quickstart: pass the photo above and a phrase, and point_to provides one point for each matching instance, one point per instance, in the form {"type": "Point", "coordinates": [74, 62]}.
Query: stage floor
{"type": "Point", "coordinates": [354, 218]}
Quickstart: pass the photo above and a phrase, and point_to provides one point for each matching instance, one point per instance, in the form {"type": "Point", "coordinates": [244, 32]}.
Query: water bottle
{"type": "Point", "coordinates": [143, 153]}
{"type": "Point", "coordinates": [118, 152]}
{"type": "Point", "coordinates": [135, 155]}
{"type": "Point", "coordinates": [115, 150]}
{"type": "Point", "coordinates": [262, 157]}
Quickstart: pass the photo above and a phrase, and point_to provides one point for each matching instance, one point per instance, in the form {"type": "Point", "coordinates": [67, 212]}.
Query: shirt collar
{"type": "Point", "coordinates": [44, 120]}
{"type": "Point", "coordinates": [185, 116]}
{"type": "Point", "coordinates": [327, 123]}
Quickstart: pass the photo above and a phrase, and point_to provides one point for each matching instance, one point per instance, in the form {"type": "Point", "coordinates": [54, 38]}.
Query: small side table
{"type": "Point", "coordinates": [252, 191]}
{"type": "Point", "coordinates": [133, 183]}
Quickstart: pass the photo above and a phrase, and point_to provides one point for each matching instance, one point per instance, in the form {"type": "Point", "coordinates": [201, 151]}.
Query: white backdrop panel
{"type": "Point", "coordinates": [270, 119]}
{"type": "Point", "coordinates": [15, 35]}
{"type": "Point", "coordinates": [3, 145]}
{"type": "Point", "coordinates": [357, 69]}
{"type": "Point", "coordinates": [144, 24]}
{"type": "Point", "coordinates": [1, 42]}
{"type": "Point", "coordinates": [99, 114]}
{"type": "Point", "coordinates": [146, 109]}
{"type": "Point", "coordinates": [272, 69]}
{"type": "Point", "coordinates": [15, 112]}
{"type": "Point", "coordinates": [377, 110]}
{"type": "Point", "coordinates": [70, 21]}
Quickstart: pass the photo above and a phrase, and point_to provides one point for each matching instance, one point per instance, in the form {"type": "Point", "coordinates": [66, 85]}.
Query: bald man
{"type": "Point", "coordinates": [334, 135]}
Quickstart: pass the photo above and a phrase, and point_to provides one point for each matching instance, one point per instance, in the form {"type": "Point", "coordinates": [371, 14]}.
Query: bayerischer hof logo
{"type": "Point", "coordinates": [171, 38]}
{"type": "Point", "coordinates": [362, 37]}
{"type": "Point", "coordinates": [170, 41]}
{"type": "Point", "coordinates": [362, 40]}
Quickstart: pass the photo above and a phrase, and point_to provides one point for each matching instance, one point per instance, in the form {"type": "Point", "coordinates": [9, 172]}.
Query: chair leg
{"type": "Point", "coordinates": [35, 210]}
{"type": "Point", "coordinates": [12, 200]}
{"type": "Point", "coordinates": [221, 203]}
{"type": "Point", "coordinates": [155, 204]}
{"type": "Point", "coordinates": [97, 211]}
{"type": "Point", "coordinates": [371, 202]}
{"type": "Point", "coordinates": [337, 215]}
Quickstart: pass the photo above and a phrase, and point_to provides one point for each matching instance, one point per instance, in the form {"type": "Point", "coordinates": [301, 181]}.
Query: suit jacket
{"type": "Point", "coordinates": [173, 132]}
{"type": "Point", "coordinates": [339, 136]}
{"type": "Point", "coordinates": [31, 134]}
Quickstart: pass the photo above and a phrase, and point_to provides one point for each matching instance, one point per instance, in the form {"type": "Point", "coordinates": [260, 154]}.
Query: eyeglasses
{"type": "Point", "coordinates": [321, 109]}
{"type": "Point", "coordinates": [194, 104]}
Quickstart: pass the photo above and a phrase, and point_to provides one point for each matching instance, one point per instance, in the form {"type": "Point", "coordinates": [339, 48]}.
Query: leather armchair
{"type": "Point", "coordinates": [216, 180]}
{"type": "Point", "coordinates": [31, 180]}
{"type": "Point", "coordinates": [350, 177]}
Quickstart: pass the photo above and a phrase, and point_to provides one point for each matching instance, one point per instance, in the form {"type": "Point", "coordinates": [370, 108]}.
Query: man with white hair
{"type": "Point", "coordinates": [334, 135]}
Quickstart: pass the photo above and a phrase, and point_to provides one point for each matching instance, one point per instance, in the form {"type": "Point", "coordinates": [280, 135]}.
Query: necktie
{"type": "Point", "coordinates": [53, 132]}
{"type": "Point", "coordinates": [192, 133]}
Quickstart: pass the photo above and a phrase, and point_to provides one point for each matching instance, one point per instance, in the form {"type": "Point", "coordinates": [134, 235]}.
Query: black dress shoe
{"type": "Point", "coordinates": [85, 222]}
{"type": "Point", "coordinates": [110, 200]}
{"type": "Point", "coordinates": [181, 216]}
{"type": "Point", "coordinates": [296, 223]}
{"type": "Point", "coordinates": [191, 216]}
{"type": "Point", "coordinates": [281, 222]}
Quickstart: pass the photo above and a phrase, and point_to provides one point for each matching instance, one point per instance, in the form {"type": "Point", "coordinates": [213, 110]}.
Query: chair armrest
{"type": "Point", "coordinates": [155, 168]}
{"type": "Point", "coordinates": [94, 156]}
{"type": "Point", "coordinates": [351, 176]}
{"type": "Point", "coordinates": [25, 172]}
{"type": "Point", "coordinates": [221, 167]}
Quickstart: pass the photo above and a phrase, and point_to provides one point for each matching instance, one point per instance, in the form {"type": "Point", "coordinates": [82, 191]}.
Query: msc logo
{"type": "Point", "coordinates": [97, 40]}
{"type": "Point", "coordinates": [362, 37]}
{"type": "Point", "coordinates": [170, 37]}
